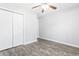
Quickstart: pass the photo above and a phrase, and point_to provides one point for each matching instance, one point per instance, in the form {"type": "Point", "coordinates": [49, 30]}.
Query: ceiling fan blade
{"type": "Point", "coordinates": [36, 6]}
{"type": "Point", "coordinates": [53, 7]}
{"type": "Point", "coordinates": [42, 10]}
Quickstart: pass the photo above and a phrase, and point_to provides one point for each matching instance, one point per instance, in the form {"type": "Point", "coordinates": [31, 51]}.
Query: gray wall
{"type": "Point", "coordinates": [62, 26]}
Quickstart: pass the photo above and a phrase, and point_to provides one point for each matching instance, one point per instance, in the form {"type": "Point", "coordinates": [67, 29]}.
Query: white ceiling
{"type": "Point", "coordinates": [28, 6]}
{"type": "Point", "coordinates": [60, 7]}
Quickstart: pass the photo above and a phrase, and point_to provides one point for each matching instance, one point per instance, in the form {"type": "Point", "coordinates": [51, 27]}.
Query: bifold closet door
{"type": "Point", "coordinates": [5, 30]}
{"type": "Point", "coordinates": [17, 29]}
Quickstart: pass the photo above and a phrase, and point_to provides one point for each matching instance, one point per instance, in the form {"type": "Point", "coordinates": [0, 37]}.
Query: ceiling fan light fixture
{"type": "Point", "coordinates": [45, 7]}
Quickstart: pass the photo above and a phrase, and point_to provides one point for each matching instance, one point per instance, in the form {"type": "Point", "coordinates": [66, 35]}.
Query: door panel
{"type": "Point", "coordinates": [5, 30]}
{"type": "Point", "coordinates": [17, 29]}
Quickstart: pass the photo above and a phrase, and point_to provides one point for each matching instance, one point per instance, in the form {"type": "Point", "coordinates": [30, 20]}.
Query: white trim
{"type": "Point", "coordinates": [30, 42]}
{"type": "Point", "coordinates": [12, 31]}
{"type": "Point", "coordinates": [23, 30]}
{"type": "Point", "coordinates": [73, 45]}
{"type": "Point", "coordinates": [11, 11]}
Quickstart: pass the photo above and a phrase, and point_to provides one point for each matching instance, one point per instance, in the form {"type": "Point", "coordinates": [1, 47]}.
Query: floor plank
{"type": "Point", "coordinates": [41, 48]}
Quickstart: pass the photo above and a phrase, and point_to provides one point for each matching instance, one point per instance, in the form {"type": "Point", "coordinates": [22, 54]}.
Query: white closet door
{"type": "Point", "coordinates": [17, 29]}
{"type": "Point", "coordinates": [5, 30]}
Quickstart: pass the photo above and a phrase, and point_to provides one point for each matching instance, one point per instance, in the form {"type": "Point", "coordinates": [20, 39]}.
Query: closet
{"type": "Point", "coordinates": [17, 29]}
{"type": "Point", "coordinates": [11, 29]}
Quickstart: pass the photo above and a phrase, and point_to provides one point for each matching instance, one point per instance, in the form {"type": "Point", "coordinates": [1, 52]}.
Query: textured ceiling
{"type": "Point", "coordinates": [28, 6]}
{"type": "Point", "coordinates": [60, 7]}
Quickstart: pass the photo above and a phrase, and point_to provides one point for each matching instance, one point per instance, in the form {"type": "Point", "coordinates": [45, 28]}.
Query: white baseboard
{"type": "Point", "coordinates": [30, 42]}
{"type": "Point", "coordinates": [73, 45]}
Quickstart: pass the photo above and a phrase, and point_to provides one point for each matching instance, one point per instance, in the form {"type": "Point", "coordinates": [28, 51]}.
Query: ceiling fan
{"type": "Point", "coordinates": [45, 6]}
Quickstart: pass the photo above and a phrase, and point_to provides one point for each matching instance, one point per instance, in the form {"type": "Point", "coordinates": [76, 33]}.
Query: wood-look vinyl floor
{"type": "Point", "coordinates": [41, 48]}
